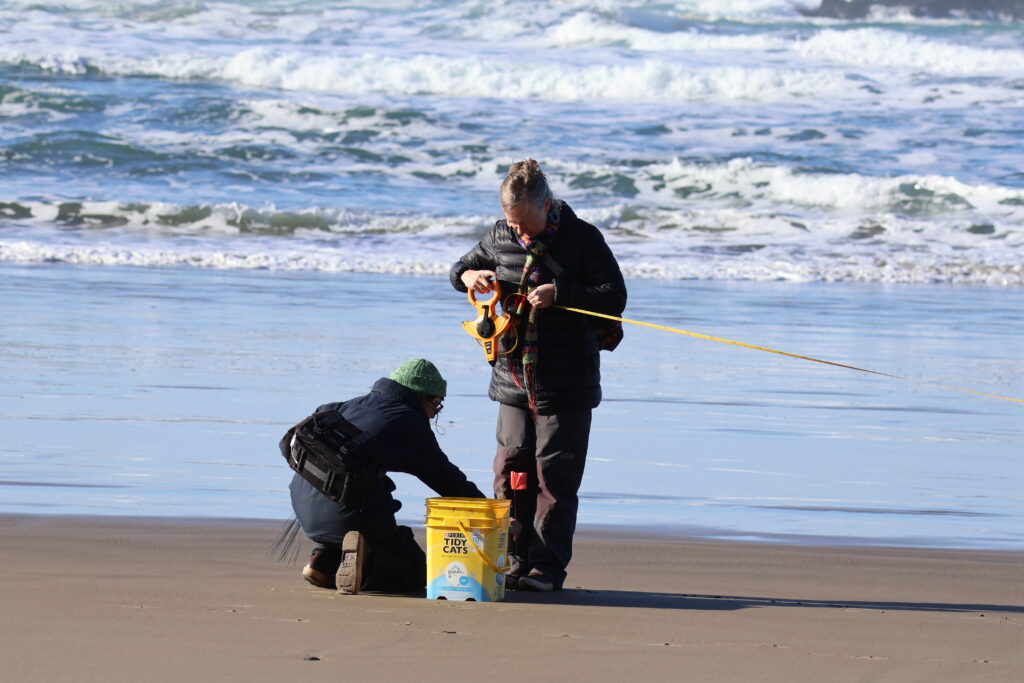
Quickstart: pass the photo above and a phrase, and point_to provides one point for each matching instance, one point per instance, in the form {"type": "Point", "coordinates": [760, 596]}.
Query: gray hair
{"type": "Point", "coordinates": [525, 183]}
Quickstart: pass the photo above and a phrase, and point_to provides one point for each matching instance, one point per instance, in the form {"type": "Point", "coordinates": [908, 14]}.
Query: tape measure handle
{"type": "Point", "coordinates": [496, 291]}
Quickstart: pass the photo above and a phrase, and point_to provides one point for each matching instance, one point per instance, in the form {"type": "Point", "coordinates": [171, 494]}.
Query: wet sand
{"type": "Point", "coordinates": [100, 599]}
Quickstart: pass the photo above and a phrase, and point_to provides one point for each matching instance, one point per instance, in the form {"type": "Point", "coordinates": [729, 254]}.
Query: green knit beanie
{"type": "Point", "coordinates": [421, 376]}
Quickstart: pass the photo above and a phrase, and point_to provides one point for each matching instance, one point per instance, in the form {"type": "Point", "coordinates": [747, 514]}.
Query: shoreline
{"type": "Point", "coordinates": [610, 532]}
{"type": "Point", "coordinates": [167, 599]}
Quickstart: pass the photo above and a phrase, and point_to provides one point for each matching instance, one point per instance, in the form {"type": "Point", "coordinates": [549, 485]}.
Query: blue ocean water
{"type": "Point", "coordinates": [709, 139]}
{"type": "Point", "coordinates": [179, 180]}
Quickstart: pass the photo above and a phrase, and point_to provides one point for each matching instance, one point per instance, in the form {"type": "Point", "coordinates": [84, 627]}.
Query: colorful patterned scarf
{"type": "Point", "coordinates": [536, 247]}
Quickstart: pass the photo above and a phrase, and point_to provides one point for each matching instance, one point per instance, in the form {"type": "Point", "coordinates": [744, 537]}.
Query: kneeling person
{"type": "Point", "coordinates": [361, 547]}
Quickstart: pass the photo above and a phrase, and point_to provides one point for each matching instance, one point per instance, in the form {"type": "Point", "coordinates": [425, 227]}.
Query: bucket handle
{"type": "Point", "coordinates": [487, 560]}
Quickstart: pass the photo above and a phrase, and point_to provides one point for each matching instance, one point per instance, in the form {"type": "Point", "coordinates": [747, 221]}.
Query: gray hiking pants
{"type": "Point", "coordinates": [552, 451]}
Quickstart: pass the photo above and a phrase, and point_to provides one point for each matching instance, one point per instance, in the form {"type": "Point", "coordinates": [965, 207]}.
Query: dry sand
{"type": "Point", "coordinates": [97, 599]}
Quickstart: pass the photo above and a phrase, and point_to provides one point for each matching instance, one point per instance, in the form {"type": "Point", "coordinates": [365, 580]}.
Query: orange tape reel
{"type": "Point", "coordinates": [488, 325]}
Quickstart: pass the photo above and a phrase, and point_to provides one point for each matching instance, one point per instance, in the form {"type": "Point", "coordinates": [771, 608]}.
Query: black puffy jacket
{"type": "Point", "coordinates": [393, 414]}
{"type": "Point", "coordinates": [568, 361]}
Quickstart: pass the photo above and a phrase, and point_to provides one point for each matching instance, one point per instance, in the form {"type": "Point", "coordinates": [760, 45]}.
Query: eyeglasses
{"type": "Point", "coordinates": [438, 403]}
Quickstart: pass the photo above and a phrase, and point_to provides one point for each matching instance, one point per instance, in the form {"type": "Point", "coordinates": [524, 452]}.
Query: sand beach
{"type": "Point", "coordinates": [121, 599]}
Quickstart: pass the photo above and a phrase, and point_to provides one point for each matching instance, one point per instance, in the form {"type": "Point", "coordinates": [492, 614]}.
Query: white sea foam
{"type": "Point", "coordinates": [367, 257]}
{"type": "Point", "coordinates": [587, 29]}
{"type": "Point", "coordinates": [666, 16]}
{"type": "Point", "coordinates": [584, 52]}
{"type": "Point", "coordinates": [662, 190]}
{"type": "Point", "coordinates": [424, 74]}
{"type": "Point", "coordinates": [289, 116]}
{"type": "Point", "coordinates": [708, 243]}
{"type": "Point", "coordinates": [358, 260]}
{"type": "Point", "coordinates": [14, 109]}
{"type": "Point", "coordinates": [781, 186]}
{"type": "Point", "coordinates": [889, 49]}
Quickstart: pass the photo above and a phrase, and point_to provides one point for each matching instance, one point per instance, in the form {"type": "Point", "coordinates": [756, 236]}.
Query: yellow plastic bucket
{"type": "Point", "coordinates": [467, 548]}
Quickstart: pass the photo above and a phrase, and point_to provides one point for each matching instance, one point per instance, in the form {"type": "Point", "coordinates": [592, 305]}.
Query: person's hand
{"type": "Point", "coordinates": [479, 280]}
{"type": "Point", "coordinates": [542, 297]}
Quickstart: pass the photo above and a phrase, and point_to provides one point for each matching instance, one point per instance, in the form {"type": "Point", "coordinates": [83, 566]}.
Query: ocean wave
{"type": "Point", "coordinates": [324, 260]}
{"type": "Point", "coordinates": [271, 16]}
{"type": "Point", "coordinates": [807, 68]}
{"type": "Point", "coordinates": [74, 148]}
{"type": "Point", "coordinates": [890, 49]}
{"type": "Point", "coordinates": [861, 46]}
{"type": "Point", "coordinates": [53, 103]}
{"type": "Point", "coordinates": [744, 182]}
{"type": "Point", "coordinates": [589, 51]}
{"type": "Point", "coordinates": [651, 242]}
{"type": "Point", "coordinates": [320, 135]}
{"type": "Point", "coordinates": [150, 10]}
{"type": "Point", "coordinates": [645, 198]}
{"type": "Point", "coordinates": [458, 77]}
{"type": "Point", "coordinates": [157, 218]}
{"type": "Point", "coordinates": [762, 265]}
{"type": "Point", "coordinates": [586, 29]}
{"type": "Point", "coordinates": [301, 18]}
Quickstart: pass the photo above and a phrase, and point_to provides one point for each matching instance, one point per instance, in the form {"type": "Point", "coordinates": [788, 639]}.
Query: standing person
{"type": "Point", "coordinates": [361, 547]}
{"type": "Point", "coordinates": [550, 381]}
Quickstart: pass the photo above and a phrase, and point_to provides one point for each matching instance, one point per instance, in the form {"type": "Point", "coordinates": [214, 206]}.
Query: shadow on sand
{"type": "Point", "coordinates": [655, 600]}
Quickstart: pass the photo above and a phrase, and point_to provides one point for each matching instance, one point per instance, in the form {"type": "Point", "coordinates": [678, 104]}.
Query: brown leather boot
{"type": "Point", "coordinates": [323, 565]}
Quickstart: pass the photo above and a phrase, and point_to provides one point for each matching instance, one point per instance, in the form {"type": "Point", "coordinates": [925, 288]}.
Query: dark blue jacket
{"type": "Point", "coordinates": [393, 414]}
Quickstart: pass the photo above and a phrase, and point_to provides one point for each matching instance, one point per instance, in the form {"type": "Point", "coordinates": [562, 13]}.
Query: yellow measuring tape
{"type": "Point", "coordinates": [781, 353]}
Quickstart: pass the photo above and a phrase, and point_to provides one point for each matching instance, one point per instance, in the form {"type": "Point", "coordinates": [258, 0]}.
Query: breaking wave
{"type": "Point", "coordinates": [444, 76]}
{"type": "Point", "coordinates": [733, 243]}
